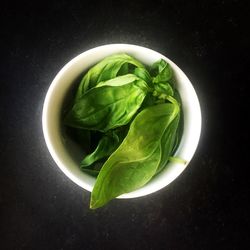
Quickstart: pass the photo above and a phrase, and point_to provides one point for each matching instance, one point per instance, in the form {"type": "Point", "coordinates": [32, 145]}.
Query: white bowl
{"type": "Point", "coordinates": [63, 83]}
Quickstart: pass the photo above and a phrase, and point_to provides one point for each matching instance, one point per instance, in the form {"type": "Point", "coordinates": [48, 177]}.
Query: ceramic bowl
{"type": "Point", "coordinates": [64, 155]}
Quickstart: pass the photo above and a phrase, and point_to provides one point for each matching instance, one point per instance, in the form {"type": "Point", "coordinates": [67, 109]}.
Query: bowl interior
{"type": "Point", "coordinates": [67, 153]}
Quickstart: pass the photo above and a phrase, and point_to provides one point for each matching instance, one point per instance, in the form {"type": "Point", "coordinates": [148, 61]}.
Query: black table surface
{"type": "Point", "coordinates": [206, 207]}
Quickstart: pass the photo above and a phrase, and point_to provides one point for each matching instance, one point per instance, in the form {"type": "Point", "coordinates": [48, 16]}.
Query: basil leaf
{"type": "Point", "coordinates": [168, 142]}
{"type": "Point", "coordinates": [136, 160]}
{"type": "Point", "coordinates": [161, 71]}
{"type": "Point", "coordinates": [108, 107]}
{"type": "Point", "coordinates": [105, 147]}
{"type": "Point", "coordinates": [120, 81]}
{"type": "Point", "coordinates": [143, 74]}
{"type": "Point", "coordinates": [123, 70]}
{"type": "Point", "coordinates": [106, 69]}
{"type": "Point", "coordinates": [164, 88]}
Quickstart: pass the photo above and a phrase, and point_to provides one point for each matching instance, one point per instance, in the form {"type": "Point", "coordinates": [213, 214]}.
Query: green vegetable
{"type": "Point", "coordinates": [109, 105]}
{"type": "Point", "coordinates": [168, 142]}
{"type": "Point", "coordinates": [143, 74]}
{"type": "Point", "coordinates": [107, 145]}
{"type": "Point", "coordinates": [136, 161]}
{"type": "Point", "coordinates": [105, 70]}
{"type": "Point", "coordinates": [123, 80]}
{"type": "Point", "coordinates": [161, 71]}
{"type": "Point", "coordinates": [131, 115]}
{"type": "Point", "coordinates": [164, 88]}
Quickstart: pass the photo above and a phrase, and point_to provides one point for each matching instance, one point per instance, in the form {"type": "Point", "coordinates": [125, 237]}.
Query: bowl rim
{"type": "Point", "coordinates": [159, 182]}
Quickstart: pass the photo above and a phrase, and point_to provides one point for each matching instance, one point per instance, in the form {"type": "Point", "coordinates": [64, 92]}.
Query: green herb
{"type": "Point", "coordinates": [107, 69]}
{"type": "Point", "coordinates": [137, 159]}
{"type": "Point", "coordinates": [144, 75]}
{"type": "Point", "coordinates": [161, 71]}
{"type": "Point", "coordinates": [137, 112]}
{"type": "Point", "coordinates": [106, 146]}
{"type": "Point", "coordinates": [108, 106]}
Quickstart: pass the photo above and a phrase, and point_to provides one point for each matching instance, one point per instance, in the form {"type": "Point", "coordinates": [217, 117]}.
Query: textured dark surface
{"type": "Point", "coordinates": [207, 207]}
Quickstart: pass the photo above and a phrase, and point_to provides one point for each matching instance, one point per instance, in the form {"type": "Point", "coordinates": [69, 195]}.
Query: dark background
{"type": "Point", "coordinates": [206, 207]}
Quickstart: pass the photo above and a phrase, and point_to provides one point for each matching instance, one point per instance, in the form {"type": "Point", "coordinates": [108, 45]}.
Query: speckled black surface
{"type": "Point", "coordinates": [207, 207]}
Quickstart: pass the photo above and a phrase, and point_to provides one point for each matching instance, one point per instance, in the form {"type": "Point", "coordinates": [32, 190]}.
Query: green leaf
{"type": "Point", "coordinates": [149, 100]}
{"type": "Point", "coordinates": [106, 69]}
{"type": "Point", "coordinates": [122, 80]}
{"type": "Point", "coordinates": [161, 71]}
{"type": "Point", "coordinates": [180, 128]}
{"type": "Point", "coordinates": [168, 142]}
{"type": "Point", "coordinates": [108, 106]}
{"type": "Point", "coordinates": [164, 88]}
{"type": "Point", "coordinates": [143, 74]}
{"type": "Point", "coordinates": [137, 159]}
{"type": "Point", "coordinates": [106, 146]}
{"type": "Point", "coordinates": [123, 70]}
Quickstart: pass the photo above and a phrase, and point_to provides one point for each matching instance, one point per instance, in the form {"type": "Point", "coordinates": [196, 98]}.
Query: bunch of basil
{"type": "Point", "coordinates": [137, 112]}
